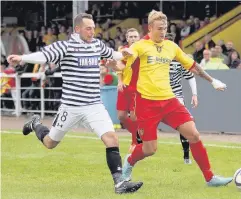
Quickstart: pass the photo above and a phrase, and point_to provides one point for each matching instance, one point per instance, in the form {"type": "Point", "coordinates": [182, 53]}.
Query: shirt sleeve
{"type": "Point", "coordinates": [187, 74]}
{"type": "Point", "coordinates": [55, 52]}
{"type": "Point", "coordinates": [135, 50]}
{"type": "Point", "coordinates": [105, 52]}
{"type": "Point", "coordinates": [186, 61]}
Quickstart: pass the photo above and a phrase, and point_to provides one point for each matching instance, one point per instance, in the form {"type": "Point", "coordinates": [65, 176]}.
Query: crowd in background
{"type": "Point", "coordinates": [209, 54]}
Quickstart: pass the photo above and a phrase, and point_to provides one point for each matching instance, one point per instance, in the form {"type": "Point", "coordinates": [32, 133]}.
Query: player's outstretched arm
{"type": "Point", "coordinates": [198, 70]}
{"type": "Point", "coordinates": [49, 54]}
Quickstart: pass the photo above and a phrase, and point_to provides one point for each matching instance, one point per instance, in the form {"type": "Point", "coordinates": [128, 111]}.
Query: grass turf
{"type": "Point", "coordinates": [77, 169]}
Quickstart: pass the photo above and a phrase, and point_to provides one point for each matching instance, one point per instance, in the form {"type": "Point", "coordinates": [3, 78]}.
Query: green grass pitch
{"type": "Point", "coordinates": [77, 169]}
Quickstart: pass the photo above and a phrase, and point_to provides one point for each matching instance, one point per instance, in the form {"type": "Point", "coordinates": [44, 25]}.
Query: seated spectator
{"type": "Point", "coordinates": [98, 29]}
{"type": "Point", "coordinates": [208, 42]}
{"type": "Point", "coordinates": [62, 34]}
{"type": "Point", "coordinates": [230, 48]}
{"type": "Point", "coordinates": [214, 62]}
{"type": "Point", "coordinates": [7, 85]}
{"type": "Point", "coordinates": [220, 55]}
{"type": "Point", "coordinates": [190, 23]}
{"type": "Point", "coordinates": [198, 54]}
{"type": "Point", "coordinates": [202, 24]}
{"type": "Point", "coordinates": [175, 31]}
{"type": "Point", "coordinates": [221, 43]}
{"type": "Point", "coordinates": [206, 58]}
{"type": "Point", "coordinates": [196, 24]}
{"type": "Point", "coordinates": [214, 56]}
{"type": "Point", "coordinates": [185, 29]}
{"type": "Point", "coordinates": [49, 38]}
{"type": "Point", "coordinates": [31, 41]}
{"type": "Point", "coordinates": [235, 62]}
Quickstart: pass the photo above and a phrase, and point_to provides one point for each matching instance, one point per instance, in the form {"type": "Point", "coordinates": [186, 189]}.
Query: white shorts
{"type": "Point", "coordinates": [181, 100]}
{"type": "Point", "coordinates": [93, 117]}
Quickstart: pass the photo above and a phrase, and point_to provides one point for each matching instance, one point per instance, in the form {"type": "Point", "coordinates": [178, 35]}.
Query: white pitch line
{"type": "Point", "coordinates": [128, 140]}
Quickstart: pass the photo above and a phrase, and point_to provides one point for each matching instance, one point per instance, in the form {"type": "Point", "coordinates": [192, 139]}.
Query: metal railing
{"type": "Point", "coordinates": [18, 98]}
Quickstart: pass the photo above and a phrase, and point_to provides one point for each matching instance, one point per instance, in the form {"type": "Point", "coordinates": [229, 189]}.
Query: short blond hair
{"type": "Point", "coordinates": [131, 30]}
{"type": "Point", "coordinates": [156, 15]}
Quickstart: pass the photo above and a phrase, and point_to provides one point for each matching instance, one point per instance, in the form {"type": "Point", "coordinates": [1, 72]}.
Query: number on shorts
{"type": "Point", "coordinates": [64, 116]}
{"type": "Point", "coordinates": [55, 120]}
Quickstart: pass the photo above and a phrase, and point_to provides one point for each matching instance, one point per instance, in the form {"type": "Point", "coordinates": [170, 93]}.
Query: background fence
{"type": "Point", "coordinates": [217, 111]}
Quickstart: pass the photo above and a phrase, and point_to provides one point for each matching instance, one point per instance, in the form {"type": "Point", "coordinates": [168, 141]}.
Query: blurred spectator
{"type": "Point", "coordinates": [196, 24]}
{"type": "Point", "coordinates": [202, 24]}
{"type": "Point", "coordinates": [32, 92]}
{"type": "Point", "coordinates": [235, 62]}
{"type": "Point", "coordinates": [221, 43]}
{"type": "Point", "coordinates": [7, 83]}
{"type": "Point", "coordinates": [208, 42]}
{"type": "Point", "coordinates": [190, 23]}
{"type": "Point", "coordinates": [49, 38]}
{"type": "Point", "coordinates": [220, 55]}
{"type": "Point", "coordinates": [206, 58]}
{"type": "Point", "coordinates": [69, 31]}
{"type": "Point", "coordinates": [175, 31]}
{"type": "Point", "coordinates": [198, 54]}
{"type": "Point", "coordinates": [214, 62]}
{"type": "Point", "coordinates": [31, 41]}
{"type": "Point", "coordinates": [230, 48]}
{"type": "Point", "coordinates": [108, 38]}
{"type": "Point", "coordinates": [40, 39]}
{"type": "Point", "coordinates": [62, 34]}
{"type": "Point", "coordinates": [206, 20]}
{"type": "Point", "coordinates": [185, 29]}
{"type": "Point", "coordinates": [98, 29]}
{"type": "Point", "coordinates": [54, 82]}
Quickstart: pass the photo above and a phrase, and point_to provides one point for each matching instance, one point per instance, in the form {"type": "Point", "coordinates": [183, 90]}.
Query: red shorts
{"type": "Point", "coordinates": [126, 99]}
{"type": "Point", "coordinates": [151, 112]}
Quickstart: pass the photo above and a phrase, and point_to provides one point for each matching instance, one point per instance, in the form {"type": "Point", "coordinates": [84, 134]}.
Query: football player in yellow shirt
{"type": "Point", "coordinates": [155, 101]}
{"type": "Point", "coordinates": [127, 80]}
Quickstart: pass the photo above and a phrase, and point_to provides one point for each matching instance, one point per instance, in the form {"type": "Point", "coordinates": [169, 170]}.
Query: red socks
{"type": "Point", "coordinates": [200, 155]}
{"type": "Point", "coordinates": [136, 155]}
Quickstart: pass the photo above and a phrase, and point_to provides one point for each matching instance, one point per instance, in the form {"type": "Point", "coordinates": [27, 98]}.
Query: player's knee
{"type": "Point", "coordinates": [110, 139]}
{"type": "Point", "coordinates": [122, 116]}
{"type": "Point", "coordinates": [49, 143]}
{"type": "Point", "coordinates": [149, 150]}
{"type": "Point", "coordinates": [195, 137]}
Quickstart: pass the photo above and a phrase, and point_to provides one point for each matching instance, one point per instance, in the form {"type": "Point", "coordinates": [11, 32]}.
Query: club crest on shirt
{"type": "Point", "coordinates": [141, 132]}
{"type": "Point", "coordinates": [158, 48]}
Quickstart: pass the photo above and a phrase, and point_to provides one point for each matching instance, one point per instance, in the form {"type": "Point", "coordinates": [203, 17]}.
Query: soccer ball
{"type": "Point", "coordinates": [237, 178]}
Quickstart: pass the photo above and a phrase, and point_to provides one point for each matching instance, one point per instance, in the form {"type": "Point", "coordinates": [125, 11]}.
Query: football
{"type": "Point", "coordinates": [237, 178]}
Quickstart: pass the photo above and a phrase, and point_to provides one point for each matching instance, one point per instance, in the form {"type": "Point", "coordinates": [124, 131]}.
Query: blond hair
{"type": "Point", "coordinates": [131, 30]}
{"type": "Point", "coordinates": [156, 15]}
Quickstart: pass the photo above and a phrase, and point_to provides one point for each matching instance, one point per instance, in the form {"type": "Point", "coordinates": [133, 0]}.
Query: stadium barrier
{"type": "Point", "coordinates": [217, 111]}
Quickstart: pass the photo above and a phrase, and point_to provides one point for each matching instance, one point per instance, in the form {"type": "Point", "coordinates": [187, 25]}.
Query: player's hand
{"type": "Point", "coordinates": [111, 63]}
{"type": "Point", "coordinates": [194, 101]}
{"type": "Point", "coordinates": [14, 59]}
{"type": "Point", "coordinates": [127, 52]}
{"type": "Point", "coordinates": [218, 85]}
{"type": "Point", "coordinates": [120, 86]}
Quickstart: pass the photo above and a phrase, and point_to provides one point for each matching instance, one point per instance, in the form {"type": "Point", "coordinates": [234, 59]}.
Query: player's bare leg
{"type": "Point", "coordinates": [141, 151]}
{"type": "Point", "coordinates": [189, 131]}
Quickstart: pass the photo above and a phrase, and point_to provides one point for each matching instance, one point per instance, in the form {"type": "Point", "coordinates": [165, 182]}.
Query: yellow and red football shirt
{"type": "Point", "coordinates": [155, 58]}
{"type": "Point", "coordinates": [127, 71]}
